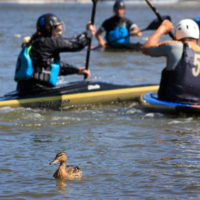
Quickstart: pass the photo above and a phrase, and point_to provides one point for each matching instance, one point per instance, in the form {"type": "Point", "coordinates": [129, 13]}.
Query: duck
{"type": "Point", "coordinates": [65, 171]}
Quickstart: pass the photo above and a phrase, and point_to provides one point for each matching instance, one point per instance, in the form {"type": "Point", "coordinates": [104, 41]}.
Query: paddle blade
{"type": "Point", "coordinates": [156, 23]}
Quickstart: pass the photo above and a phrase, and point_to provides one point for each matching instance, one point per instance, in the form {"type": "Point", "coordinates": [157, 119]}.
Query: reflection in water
{"type": "Point", "coordinates": [61, 183]}
{"type": "Point", "coordinates": [62, 187]}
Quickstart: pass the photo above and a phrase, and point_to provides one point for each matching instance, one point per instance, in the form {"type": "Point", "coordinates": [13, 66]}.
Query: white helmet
{"type": "Point", "coordinates": [186, 28]}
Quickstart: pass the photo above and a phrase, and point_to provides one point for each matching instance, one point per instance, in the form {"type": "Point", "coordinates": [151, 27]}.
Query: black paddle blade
{"type": "Point", "coordinates": [156, 23]}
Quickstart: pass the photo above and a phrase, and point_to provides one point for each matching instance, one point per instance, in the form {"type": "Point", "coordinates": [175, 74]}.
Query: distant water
{"type": "Point", "coordinates": [124, 152]}
{"type": "Point", "coordinates": [83, 1]}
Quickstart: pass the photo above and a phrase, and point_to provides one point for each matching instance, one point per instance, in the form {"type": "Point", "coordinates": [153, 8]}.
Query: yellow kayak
{"type": "Point", "coordinates": [83, 92]}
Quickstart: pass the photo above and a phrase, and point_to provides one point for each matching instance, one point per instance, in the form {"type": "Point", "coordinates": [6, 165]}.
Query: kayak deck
{"type": "Point", "coordinates": [83, 92]}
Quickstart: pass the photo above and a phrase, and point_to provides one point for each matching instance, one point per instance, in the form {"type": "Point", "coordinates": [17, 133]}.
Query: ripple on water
{"type": "Point", "coordinates": [124, 152]}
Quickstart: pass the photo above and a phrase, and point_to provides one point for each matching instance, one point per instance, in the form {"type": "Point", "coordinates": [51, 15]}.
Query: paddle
{"type": "Point", "coordinates": [89, 45]}
{"type": "Point", "coordinates": [158, 15]}
{"type": "Point", "coordinates": [156, 23]}
{"type": "Point", "coordinates": [152, 26]}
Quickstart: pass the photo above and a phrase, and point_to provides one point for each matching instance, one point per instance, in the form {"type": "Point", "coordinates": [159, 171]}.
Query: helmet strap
{"type": "Point", "coordinates": [51, 28]}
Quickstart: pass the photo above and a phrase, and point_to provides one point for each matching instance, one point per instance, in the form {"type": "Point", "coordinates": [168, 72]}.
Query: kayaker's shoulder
{"type": "Point", "coordinates": [168, 42]}
{"type": "Point", "coordinates": [194, 46]}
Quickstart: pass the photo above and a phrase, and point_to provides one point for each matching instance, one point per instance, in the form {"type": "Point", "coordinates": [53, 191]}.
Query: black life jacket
{"type": "Point", "coordinates": [183, 83]}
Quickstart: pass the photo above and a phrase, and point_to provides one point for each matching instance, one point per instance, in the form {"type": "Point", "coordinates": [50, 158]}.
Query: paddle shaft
{"type": "Point", "coordinates": [158, 15]}
{"type": "Point", "coordinates": [90, 41]}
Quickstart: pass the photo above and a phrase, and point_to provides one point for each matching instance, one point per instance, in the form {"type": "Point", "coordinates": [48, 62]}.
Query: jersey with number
{"type": "Point", "coordinates": [182, 84]}
{"type": "Point", "coordinates": [121, 27]}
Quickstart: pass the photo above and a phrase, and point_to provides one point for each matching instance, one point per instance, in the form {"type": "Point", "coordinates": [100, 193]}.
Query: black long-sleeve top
{"type": "Point", "coordinates": [45, 51]}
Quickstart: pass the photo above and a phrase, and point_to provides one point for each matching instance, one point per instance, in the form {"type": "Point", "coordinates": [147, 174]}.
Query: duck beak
{"type": "Point", "coordinates": [53, 162]}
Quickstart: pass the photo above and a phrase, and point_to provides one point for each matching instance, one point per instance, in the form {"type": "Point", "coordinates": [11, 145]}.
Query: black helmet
{"type": "Point", "coordinates": [45, 20]}
{"type": "Point", "coordinates": [119, 4]}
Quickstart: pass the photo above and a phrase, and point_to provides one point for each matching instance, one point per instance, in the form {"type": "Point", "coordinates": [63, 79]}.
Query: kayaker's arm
{"type": "Point", "coordinates": [99, 38]}
{"type": "Point", "coordinates": [164, 28]}
{"type": "Point", "coordinates": [77, 43]}
{"type": "Point", "coordinates": [136, 32]}
{"type": "Point", "coordinates": [74, 44]}
{"type": "Point", "coordinates": [67, 69]}
{"type": "Point", "coordinates": [83, 71]}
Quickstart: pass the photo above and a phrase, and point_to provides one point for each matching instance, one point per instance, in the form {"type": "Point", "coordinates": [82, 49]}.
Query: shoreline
{"type": "Point", "coordinates": [109, 1]}
{"type": "Point", "coordinates": [175, 3]}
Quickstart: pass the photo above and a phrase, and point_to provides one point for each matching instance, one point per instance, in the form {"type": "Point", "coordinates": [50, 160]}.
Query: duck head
{"type": "Point", "coordinates": [60, 157]}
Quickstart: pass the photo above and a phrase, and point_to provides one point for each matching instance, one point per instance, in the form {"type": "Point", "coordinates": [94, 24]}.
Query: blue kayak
{"type": "Point", "coordinates": [149, 101]}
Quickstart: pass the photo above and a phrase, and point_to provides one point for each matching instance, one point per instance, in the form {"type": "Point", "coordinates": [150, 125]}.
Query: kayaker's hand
{"type": "Point", "coordinates": [100, 39]}
{"type": "Point", "coordinates": [83, 71]}
{"type": "Point", "coordinates": [165, 27]}
{"type": "Point", "coordinates": [91, 27]}
{"type": "Point", "coordinates": [136, 32]}
{"type": "Point", "coordinates": [102, 43]}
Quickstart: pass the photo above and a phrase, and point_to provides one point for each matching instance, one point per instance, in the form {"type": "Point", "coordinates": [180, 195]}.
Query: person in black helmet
{"type": "Point", "coordinates": [39, 63]}
{"type": "Point", "coordinates": [117, 27]}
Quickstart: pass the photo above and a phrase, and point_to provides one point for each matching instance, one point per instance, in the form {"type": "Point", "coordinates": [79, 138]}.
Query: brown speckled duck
{"type": "Point", "coordinates": [66, 171]}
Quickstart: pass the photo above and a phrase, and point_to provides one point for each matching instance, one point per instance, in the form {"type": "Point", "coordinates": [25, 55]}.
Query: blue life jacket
{"type": "Point", "coordinates": [119, 32]}
{"type": "Point", "coordinates": [24, 68]}
{"type": "Point", "coordinates": [55, 69]}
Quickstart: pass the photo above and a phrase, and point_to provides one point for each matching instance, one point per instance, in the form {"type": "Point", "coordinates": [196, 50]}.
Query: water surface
{"type": "Point", "coordinates": [124, 152]}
